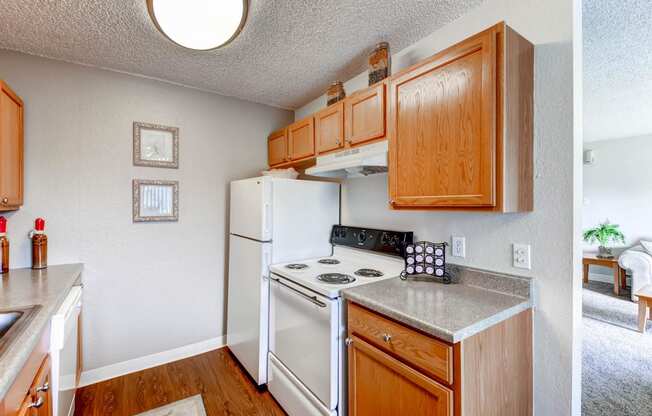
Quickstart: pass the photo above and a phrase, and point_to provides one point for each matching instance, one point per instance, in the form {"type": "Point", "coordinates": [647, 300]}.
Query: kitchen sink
{"type": "Point", "coordinates": [12, 322]}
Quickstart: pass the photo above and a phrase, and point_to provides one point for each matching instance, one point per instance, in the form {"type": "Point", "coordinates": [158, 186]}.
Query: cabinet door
{"type": "Point", "coordinates": [329, 128]}
{"type": "Point", "coordinates": [381, 385]}
{"type": "Point", "coordinates": [11, 149]}
{"type": "Point", "coordinates": [365, 115]}
{"type": "Point", "coordinates": [443, 128]}
{"type": "Point", "coordinates": [301, 136]}
{"type": "Point", "coordinates": [41, 392]}
{"type": "Point", "coordinates": [277, 147]}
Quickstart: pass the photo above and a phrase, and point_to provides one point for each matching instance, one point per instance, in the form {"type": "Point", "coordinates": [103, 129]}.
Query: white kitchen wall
{"type": "Point", "coordinates": [148, 287]}
{"type": "Point", "coordinates": [618, 187]}
{"type": "Point", "coordinates": [549, 229]}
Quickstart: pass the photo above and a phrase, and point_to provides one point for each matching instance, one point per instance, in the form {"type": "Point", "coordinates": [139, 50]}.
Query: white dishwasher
{"type": "Point", "coordinates": [64, 352]}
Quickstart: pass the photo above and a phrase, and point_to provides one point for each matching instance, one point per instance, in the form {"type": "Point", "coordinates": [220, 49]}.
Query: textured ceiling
{"type": "Point", "coordinates": [617, 69]}
{"type": "Point", "coordinates": [287, 54]}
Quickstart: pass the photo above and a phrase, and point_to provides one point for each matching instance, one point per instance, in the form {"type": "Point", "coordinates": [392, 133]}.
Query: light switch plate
{"type": "Point", "coordinates": [521, 253]}
{"type": "Point", "coordinates": [458, 248]}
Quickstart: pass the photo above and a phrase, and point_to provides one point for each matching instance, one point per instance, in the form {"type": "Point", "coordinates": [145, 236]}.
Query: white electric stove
{"type": "Point", "coordinates": [306, 358]}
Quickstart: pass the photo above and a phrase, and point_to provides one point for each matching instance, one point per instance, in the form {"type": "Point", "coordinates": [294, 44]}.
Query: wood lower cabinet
{"type": "Point", "coordinates": [364, 115]}
{"type": "Point", "coordinates": [396, 370]}
{"type": "Point", "coordinates": [277, 148]}
{"type": "Point", "coordinates": [38, 401]}
{"type": "Point", "coordinates": [329, 128]}
{"type": "Point", "coordinates": [30, 393]}
{"type": "Point", "coordinates": [460, 126]}
{"type": "Point", "coordinates": [301, 139]}
{"type": "Point", "coordinates": [11, 149]}
{"type": "Point", "coordinates": [379, 384]}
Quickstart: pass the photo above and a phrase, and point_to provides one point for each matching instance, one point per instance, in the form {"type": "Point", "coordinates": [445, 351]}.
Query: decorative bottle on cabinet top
{"type": "Point", "coordinates": [379, 63]}
{"type": "Point", "coordinates": [39, 245]}
{"type": "Point", "coordinates": [4, 246]}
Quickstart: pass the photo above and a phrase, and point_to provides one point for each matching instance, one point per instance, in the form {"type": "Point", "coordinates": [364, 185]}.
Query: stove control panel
{"type": "Point", "coordinates": [382, 241]}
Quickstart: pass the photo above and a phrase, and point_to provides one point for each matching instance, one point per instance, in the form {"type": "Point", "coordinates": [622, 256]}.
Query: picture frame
{"type": "Point", "coordinates": [155, 200]}
{"type": "Point", "coordinates": [155, 145]}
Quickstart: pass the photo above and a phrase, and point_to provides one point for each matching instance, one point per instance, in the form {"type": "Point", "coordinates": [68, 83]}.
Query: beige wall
{"type": "Point", "coordinates": [148, 287]}
{"type": "Point", "coordinates": [549, 229]}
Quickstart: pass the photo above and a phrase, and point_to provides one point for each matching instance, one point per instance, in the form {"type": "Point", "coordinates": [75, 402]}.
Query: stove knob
{"type": "Point", "coordinates": [384, 239]}
{"type": "Point", "coordinates": [362, 236]}
{"type": "Point", "coordinates": [343, 233]}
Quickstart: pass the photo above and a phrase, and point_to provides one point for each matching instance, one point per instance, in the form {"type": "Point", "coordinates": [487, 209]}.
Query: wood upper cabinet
{"type": "Point", "coordinates": [277, 148]}
{"type": "Point", "coordinates": [329, 128]}
{"type": "Point", "coordinates": [379, 384]}
{"type": "Point", "coordinates": [301, 138]}
{"type": "Point", "coordinates": [460, 126]}
{"type": "Point", "coordinates": [11, 149]}
{"type": "Point", "coordinates": [364, 115]}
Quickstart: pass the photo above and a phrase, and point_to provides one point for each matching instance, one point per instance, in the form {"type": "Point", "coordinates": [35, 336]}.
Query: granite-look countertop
{"type": "Point", "coordinates": [25, 287]}
{"type": "Point", "coordinates": [451, 312]}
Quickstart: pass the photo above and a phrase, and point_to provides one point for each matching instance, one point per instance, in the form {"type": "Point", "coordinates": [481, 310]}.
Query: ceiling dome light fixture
{"type": "Point", "coordinates": [199, 24]}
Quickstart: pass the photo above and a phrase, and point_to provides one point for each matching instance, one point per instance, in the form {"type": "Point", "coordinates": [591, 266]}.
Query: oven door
{"type": "Point", "coordinates": [304, 337]}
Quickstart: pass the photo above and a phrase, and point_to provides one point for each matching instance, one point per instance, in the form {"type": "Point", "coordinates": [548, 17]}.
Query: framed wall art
{"type": "Point", "coordinates": [156, 146]}
{"type": "Point", "coordinates": [155, 200]}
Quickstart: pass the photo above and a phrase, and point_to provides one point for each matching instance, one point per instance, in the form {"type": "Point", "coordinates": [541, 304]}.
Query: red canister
{"type": "Point", "coordinates": [4, 246]}
{"type": "Point", "coordinates": [39, 245]}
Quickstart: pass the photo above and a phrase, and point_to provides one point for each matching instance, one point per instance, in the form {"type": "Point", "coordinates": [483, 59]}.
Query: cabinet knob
{"type": "Point", "coordinates": [44, 387]}
{"type": "Point", "coordinates": [38, 403]}
{"type": "Point", "coordinates": [348, 341]}
{"type": "Point", "coordinates": [5, 200]}
{"type": "Point", "coordinates": [387, 338]}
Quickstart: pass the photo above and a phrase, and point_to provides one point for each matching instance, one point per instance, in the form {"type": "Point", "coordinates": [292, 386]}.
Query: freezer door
{"type": "Point", "coordinates": [248, 301]}
{"type": "Point", "coordinates": [251, 208]}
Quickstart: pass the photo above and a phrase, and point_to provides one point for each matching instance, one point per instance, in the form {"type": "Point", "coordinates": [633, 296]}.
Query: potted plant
{"type": "Point", "coordinates": [604, 234]}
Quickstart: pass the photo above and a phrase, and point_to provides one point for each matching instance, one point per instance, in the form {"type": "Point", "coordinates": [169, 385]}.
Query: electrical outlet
{"type": "Point", "coordinates": [458, 248]}
{"type": "Point", "coordinates": [521, 254]}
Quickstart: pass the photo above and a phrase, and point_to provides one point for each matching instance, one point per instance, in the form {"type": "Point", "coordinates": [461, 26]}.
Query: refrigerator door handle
{"type": "Point", "coordinates": [267, 218]}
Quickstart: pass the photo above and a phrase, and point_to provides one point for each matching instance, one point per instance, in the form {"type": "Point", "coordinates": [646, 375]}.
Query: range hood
{"type": "Point", "coordinates": [356, 162]}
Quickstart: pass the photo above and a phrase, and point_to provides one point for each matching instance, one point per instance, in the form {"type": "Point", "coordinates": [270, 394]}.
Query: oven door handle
{"type": "Point", "coordinates": [312, 299]}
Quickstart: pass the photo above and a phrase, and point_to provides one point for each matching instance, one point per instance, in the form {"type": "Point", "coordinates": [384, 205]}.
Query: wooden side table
{"type": "Point", "coordinates": [620, 277]}
{"type": "Point", "coordinates": [644, 303]}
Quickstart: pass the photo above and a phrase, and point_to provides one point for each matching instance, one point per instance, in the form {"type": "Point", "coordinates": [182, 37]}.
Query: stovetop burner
{"type": "Point", "coordinates": [336, 278]}
{"type": "Point", "coordinates": [368, 273]}
{"type": "Point", "coordinates": [296, 266]}
{"type": "Point", "coordinates": [329, 262]}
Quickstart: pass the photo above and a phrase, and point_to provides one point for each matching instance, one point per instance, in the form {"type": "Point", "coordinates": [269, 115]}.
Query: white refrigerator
{"type": "Point", "coordinates": [272, 220]}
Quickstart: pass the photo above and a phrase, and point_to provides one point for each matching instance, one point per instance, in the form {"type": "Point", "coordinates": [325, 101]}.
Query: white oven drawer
{"type": "Point", "coordinates": [304, 337]}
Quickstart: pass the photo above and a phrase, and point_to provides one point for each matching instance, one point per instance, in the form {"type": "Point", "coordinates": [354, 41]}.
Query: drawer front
{"type": "Point", "coordinates": [427, 354]}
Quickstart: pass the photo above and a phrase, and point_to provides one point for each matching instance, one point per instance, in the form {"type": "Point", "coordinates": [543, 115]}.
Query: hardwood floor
{"type": "Point", "coordinates": [225, 389]}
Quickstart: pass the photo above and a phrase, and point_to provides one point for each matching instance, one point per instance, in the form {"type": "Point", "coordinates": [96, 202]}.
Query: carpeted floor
{"type": "Point", "coordinates": [616, 358]}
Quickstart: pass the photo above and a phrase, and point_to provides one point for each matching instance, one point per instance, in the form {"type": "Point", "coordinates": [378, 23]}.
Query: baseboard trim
{"type": "Point", "coordinates": [97, 375]}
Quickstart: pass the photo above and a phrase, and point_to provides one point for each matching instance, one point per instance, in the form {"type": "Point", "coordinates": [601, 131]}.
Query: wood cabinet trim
{"type": "Point", "coordinates": [15, 396]}
{"type": "Point", "coordinates": [379, 132]}
{"type": "Point", "coordinates": [443, 394]}
{"type": "Point", "coordinates": [495, 370]}
{"type": "Point", "coordinates": [423, 352]}
{"type": "Point", "coordinates": [14, 163]}
{"type": "Point", "coordinates": [485, 44]}
{"type": "Point", "coordinates": [306, 123]}
{"type": "Point", "coordinates": [277, 158]}
{"type": "Point", "coordinates": [327, 144]}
